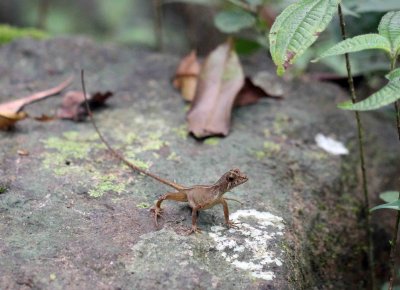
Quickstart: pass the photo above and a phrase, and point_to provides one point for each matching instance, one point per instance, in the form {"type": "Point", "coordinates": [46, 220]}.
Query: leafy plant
{"type": "Point", "coordinates": [297, 28]}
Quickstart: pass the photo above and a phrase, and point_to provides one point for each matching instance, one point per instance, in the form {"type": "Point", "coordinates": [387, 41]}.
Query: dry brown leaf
{"type": "Point", "coordinates": [249, 94]}
{"type": "Point", "coordinates": [17, 105]}
{"type": "Point", "coordinates": [73, 104]}
{"type": "Point", "coordinates": [220, 80]}
{"type": "Point", "coordinates": [11, 112]}
{"type": "Point", "coordinates": [186, 76]}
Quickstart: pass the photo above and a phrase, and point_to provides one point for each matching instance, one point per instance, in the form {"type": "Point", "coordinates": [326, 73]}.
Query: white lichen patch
{"type": "Point", "coordinates": [252, 246]}
{"type": "Point", "coordinates": [330, 145]}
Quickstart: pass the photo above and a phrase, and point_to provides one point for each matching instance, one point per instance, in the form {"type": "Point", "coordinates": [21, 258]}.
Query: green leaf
{"type": "Point", "coordinates": [389, 27]}
{"type": "Point", "coordinates": [233, 20]}
{"type": "Point", "coordinates": [393, 75]}
{"type": "Point", "coordinates": [391, 205]}
{"type": "Point", "coordinates": [389, 196]}
{"type": "Point", "coordinates": [385, 96]}
{"type": "Point", "coordinates": [396, 43]}
{"type": "Point", "coordinates": [296, 28]}
{"type": "Point", "coordinates": [358, 43]}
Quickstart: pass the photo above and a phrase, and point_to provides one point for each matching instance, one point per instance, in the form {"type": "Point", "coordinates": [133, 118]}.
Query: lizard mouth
{"type": "Point", "coordinates": [241, 179]}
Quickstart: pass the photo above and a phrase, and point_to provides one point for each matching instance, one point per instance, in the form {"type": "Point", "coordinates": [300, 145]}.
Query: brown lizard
{"type": "Point", "coordinates": [199, 197]}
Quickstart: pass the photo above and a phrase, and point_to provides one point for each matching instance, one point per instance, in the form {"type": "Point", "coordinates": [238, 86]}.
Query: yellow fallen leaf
{"type": "Point", "coordinates": [186, 76]}
{"type": "Point", "coordinates": [9, 119]}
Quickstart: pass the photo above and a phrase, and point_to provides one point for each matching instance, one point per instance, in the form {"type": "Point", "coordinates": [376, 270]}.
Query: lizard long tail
{"type": "Point", "coordinates": [114, 152]}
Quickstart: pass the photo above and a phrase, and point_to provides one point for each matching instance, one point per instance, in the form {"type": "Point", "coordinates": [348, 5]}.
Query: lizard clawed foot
{"type": "Point", "coordinates": [232, 225]}
{"type": "Point", "coordinates": [157, 213]}
{"type": "Point", "coordinates": [195, 230]}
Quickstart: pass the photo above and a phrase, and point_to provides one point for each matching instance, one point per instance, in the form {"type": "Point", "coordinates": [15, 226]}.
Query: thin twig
{"type": "Point", "coordinates": [393, 253]}
{"type": "Point", "coordinates": [360, 134]}
{"type": "Point", "coordinates": [113, 151]}
{"type": "Point", "coordinates": [396, 103]}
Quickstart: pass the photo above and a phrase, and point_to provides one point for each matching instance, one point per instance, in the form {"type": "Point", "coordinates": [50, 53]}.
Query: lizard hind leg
{"type": "Point", "coordinates": [176, 196]}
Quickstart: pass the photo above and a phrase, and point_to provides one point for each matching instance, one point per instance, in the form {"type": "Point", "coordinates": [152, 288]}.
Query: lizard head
{"type": "Point", "coordinates": [233, 178]}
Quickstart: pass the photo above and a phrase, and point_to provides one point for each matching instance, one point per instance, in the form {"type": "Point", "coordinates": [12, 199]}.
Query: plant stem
{"type": "Point", "coordinates": [393, 253]}
{"type": "Point", "coordinates": [157, 10]}
{"type": "Point", "coordinates": [370, 246]}
{"type": "Point", "coordinates": [393, 243]}
{"type": "Point", "coordinates": [42, 13]}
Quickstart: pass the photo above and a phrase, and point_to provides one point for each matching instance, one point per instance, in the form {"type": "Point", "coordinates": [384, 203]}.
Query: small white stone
{"type": "Point", "coordinates": [330, 145]}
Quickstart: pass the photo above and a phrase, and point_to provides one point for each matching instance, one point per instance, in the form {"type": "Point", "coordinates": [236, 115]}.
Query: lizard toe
{"type": "Point", "coordinates": [232, 225]}
{"type": "Point", "coordinates": [194, 229]}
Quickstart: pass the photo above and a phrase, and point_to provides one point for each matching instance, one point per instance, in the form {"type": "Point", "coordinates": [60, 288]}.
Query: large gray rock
{"type": "Point", "coordinates": [72, 217]}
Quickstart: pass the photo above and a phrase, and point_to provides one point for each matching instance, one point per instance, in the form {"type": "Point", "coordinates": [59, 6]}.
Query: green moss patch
{"type": "Point", "coordinates": [10, 33]}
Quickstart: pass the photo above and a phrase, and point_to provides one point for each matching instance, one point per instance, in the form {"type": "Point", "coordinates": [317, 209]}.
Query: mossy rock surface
{"type": "Point", "coordinates": [72, 217]}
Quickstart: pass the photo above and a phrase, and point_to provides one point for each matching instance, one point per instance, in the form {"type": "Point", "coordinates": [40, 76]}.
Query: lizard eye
{"type": "Point", "coordinates": [230, 178]}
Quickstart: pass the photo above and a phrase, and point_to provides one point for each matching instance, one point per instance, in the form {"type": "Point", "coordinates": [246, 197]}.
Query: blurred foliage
{"type": "Point", "coordinates": [9, 33]}
{"type": "Point", "coordinates": [132, 22]}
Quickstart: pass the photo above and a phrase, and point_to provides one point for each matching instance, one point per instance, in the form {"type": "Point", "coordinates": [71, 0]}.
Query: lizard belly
{"type": "Point", "coordinates": [202, 198]}
{"type": "Point", "coordinates": [210, 204]}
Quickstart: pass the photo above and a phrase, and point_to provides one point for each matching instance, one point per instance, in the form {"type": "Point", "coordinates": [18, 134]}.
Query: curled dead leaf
{"type": "Point", "coordinates": [186, 76]}
{"type": "Point", "coordinates": [220, 80]}
{"type": "Point", "coordinates": [44, 118]}
{"type": "Point", "coordinates": [23, 152]}
{"type": "Point", "coordinates": [73, 104]}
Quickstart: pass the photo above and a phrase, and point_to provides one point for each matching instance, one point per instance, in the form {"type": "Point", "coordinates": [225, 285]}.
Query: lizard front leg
{"type": "Point", "coordinates": [229, 223]}
{"type": "Point", "coordinates": [177, 196]}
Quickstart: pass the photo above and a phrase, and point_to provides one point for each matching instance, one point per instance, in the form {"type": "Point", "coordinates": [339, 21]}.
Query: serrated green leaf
{"type": "Point", "coordinates": [389, 27]}
{"type": "Point", "coordinates": [358, 43]}
{"type": "Point", "coordinates": [389, 196]}
{"type": "Point", "coordinates": [385, 96]}
{"type": "Point", "coordinates": [296, 28]}
{"type": "Point", "coordinates": [396, 43]}
{"type": "Point", "coordinates": [393, 75]}
{"type": "Point", "coordinates": [391, 205]}
{"type": "Point", "coordinates": [233, 20]}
